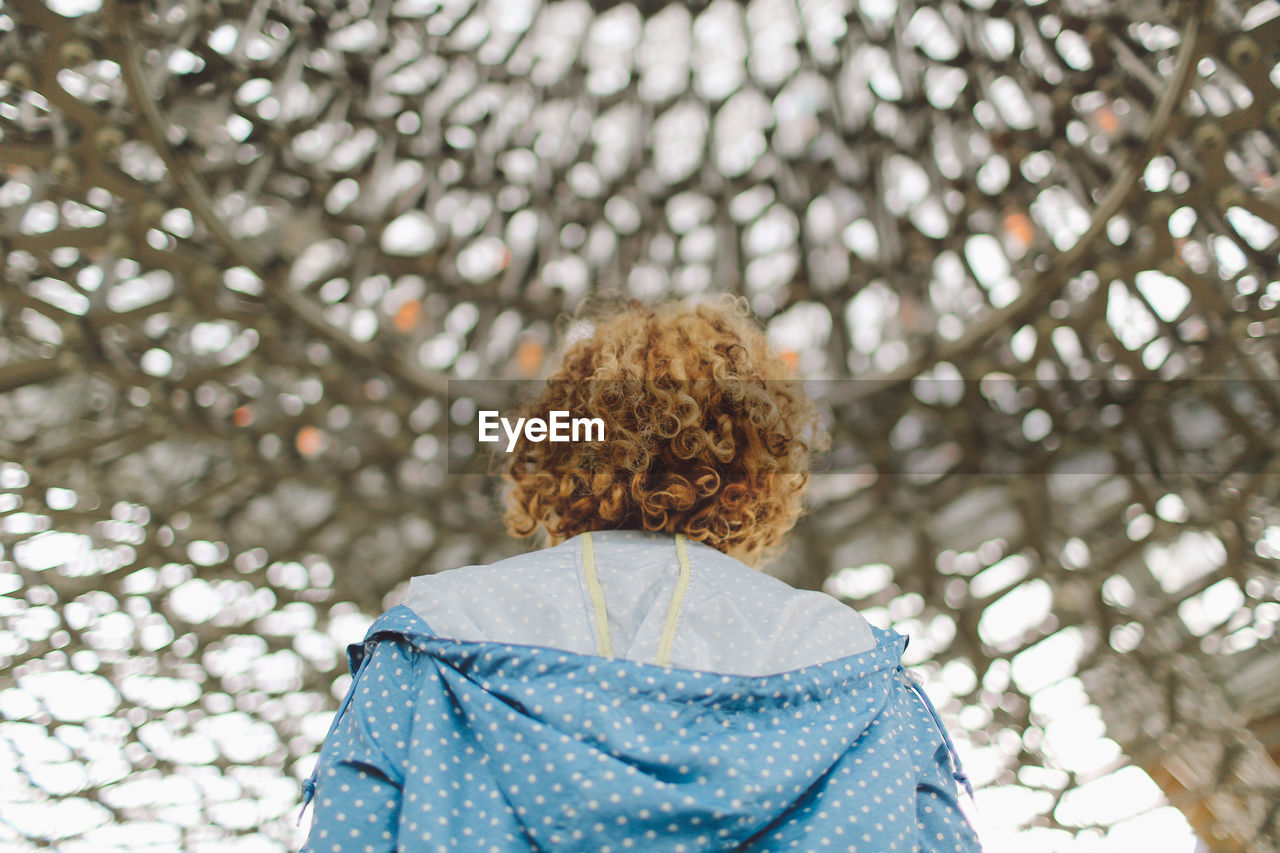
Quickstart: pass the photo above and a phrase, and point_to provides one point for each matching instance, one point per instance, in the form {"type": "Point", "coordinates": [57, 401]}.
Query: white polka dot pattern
{"type": "Point", "coordinates": [444, 744]}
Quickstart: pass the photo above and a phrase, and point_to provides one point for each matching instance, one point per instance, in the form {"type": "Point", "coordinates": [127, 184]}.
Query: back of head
{"type": "Point", "coordinates": [706, 432]}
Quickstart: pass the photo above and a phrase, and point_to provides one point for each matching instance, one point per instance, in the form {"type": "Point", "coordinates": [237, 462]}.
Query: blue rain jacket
{"type": "Point", "coordinates": [444, 743]}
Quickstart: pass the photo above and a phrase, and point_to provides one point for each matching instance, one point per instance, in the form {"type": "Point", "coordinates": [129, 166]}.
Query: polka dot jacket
{"type": "Point", "coordinates": [476, 743]}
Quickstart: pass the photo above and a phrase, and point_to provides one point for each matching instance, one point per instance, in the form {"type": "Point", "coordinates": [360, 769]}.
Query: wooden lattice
{"type": "Point", "coordinates": [1029, 249]}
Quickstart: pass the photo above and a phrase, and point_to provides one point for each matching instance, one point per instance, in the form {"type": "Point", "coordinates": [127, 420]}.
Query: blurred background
{"type": "Point", "coordinates": [1030, 247]}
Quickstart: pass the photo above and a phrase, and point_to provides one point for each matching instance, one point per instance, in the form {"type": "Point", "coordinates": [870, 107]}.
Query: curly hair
{"type": "Point", "coordinates": [706, 433]}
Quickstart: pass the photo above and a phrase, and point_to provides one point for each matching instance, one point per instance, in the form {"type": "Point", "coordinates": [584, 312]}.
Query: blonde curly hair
{"type": "Point", "coordinates": [707, 433]}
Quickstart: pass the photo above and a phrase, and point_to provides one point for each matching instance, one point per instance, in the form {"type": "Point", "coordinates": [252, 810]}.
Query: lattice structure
{"type": "Point", "coordinates": [1033, 247]}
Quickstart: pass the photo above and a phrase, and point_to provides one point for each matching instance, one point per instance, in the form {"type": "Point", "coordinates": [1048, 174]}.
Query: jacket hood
{"type": "Point", "coordinates": [584, 747]}
{"type": "Point", "coordinates": [637, 595]}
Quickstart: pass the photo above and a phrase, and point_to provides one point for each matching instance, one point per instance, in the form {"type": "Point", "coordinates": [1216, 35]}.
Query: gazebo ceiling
{"type": "Point", "coordinates": [1026, 251]}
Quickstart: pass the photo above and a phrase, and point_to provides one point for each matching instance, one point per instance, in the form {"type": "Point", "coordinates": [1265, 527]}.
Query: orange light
{"type": "Point", "coordinates": [791, 357]}
{"type": "Point", "coordinates": [529, 357]}
{"type": "Point", "coordinates": [407, 315]}
{"type": "Point", "coordinates": [1106, 118]}
{"type": "Point", "coordinates": [1019, 226]}
{"type": "Point", "coordinates": [310, 441]}
{"type": "Point", "coordinates": [242, 416]}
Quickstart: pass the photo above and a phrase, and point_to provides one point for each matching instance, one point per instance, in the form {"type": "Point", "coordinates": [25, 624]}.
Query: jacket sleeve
{"type": "Point", "coordinates": [942, 826]}
{"type": "Point", "coordinates": [357, 784]}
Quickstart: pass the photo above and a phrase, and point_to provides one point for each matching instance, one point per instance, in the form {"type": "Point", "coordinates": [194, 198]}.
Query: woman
{"type": "Point", "coordinates": [637, 684]}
